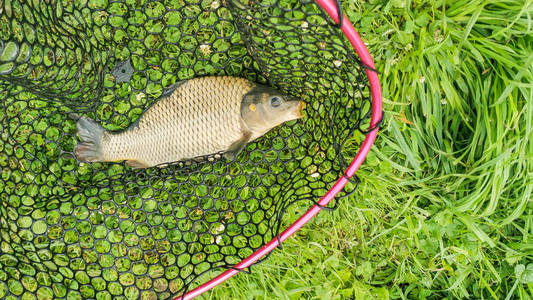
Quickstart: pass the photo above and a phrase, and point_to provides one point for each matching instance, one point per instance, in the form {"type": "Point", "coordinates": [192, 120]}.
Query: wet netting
{"type": "Point", "coordinates": [78, 230]}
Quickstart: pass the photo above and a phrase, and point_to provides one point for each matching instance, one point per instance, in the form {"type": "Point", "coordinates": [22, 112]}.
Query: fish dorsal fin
{"type": "Point", "coordinates": [172, 88]}
{"type": "Point", "coordinates": [167, 92]}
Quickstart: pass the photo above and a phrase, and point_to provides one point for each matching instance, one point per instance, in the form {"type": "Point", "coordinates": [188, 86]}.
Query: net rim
{"type": "Point", "coordinates": [331, 8]}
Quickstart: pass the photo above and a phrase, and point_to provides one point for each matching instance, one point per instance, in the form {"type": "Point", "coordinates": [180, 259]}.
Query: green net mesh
{"type": "Point", "coordinates": [103, 230]}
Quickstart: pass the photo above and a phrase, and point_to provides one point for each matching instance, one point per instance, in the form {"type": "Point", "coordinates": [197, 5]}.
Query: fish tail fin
{"type": "Point", "coordinates": [91, 134]}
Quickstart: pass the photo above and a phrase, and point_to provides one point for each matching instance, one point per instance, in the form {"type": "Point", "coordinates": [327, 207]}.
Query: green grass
{"type": "Point", "coordinates": [445, 208]}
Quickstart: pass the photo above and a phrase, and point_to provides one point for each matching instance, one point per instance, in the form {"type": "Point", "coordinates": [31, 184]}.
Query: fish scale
{"type": "Point", "coordinates": [185, 124]}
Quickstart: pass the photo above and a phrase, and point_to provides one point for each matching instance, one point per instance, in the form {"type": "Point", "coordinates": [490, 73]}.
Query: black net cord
{"type": "Point", "coordinates": [340, 15]}
{"type": "Point", "coordinates": [70, 65]}
{"type": "Point", "coordinates": [339, 24]}
{"type": "Point", "coordinates": [74, 230]}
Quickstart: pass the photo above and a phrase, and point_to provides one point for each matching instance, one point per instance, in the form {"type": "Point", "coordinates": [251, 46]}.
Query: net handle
{"type": "Point", "coordinates": [330, 6]}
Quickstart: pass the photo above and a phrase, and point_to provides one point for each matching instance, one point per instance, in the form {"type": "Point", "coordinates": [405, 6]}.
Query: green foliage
{"type": "Point", "coordinates": [444, 210]}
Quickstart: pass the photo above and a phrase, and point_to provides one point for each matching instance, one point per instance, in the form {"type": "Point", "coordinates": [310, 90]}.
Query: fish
{"type": "Point", "coordinates": [192, 118]}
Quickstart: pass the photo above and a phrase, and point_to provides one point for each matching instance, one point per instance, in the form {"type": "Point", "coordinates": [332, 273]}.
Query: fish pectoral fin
{"type": "Point", "coordinates": [238, 146]}
{"type": "Point", "coordinates": [136, 164]}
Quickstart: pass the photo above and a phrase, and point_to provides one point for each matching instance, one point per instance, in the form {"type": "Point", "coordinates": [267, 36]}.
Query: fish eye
{"type": "Point", "coordinates": [275, 101]}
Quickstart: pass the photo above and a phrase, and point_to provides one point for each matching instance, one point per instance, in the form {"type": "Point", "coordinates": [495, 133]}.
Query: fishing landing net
{"type": "Point", "coordinates": [103, 230]}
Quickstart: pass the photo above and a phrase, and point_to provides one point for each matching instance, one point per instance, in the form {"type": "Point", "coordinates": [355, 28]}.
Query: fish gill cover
{"type": "Point", "coordinates": [75, 230]}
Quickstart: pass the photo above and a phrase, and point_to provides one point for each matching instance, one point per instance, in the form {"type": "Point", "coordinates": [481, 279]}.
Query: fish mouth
{"type": "Point", "coordinates": [300, 109]}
